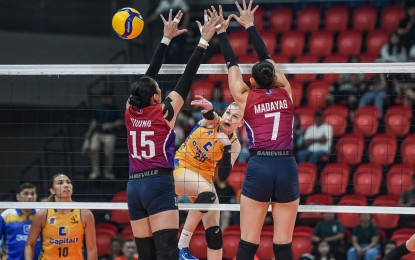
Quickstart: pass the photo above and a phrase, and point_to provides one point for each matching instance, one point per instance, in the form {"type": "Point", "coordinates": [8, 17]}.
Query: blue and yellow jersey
{"type": "Point", "coordinates": [14, 230]}
{"type": "Point", "coordinates": [200, 153]}
{"type": "Point", "coordinates": [62, 236]}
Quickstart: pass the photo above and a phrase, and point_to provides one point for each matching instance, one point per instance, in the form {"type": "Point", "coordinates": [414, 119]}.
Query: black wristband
{"type": "Point", "coordinates": [209, 115]}
{"type": "Point", "coordinates": [225, 164]}
{"type": "Point", "coordinates": [258, 43]}
{"type": "Point", "coordinates": [185, 82]}
{"type": "Point", "coordinates": [227, 50]}
{"type": "Point", "coordinates": [156, 61]}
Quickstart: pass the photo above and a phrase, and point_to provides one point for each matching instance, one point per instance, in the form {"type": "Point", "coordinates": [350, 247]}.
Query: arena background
{"type": "Point", "coordinates": [44, 118]}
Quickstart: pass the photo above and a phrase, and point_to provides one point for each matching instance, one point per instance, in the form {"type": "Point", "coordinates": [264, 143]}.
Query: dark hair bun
{"type": "Point", "coordinates": [264, 73]}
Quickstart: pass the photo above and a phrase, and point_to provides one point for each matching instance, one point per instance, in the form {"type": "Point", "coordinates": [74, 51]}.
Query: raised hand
{"type": "Point", "coordinates": [223, 138]}
{"type": "Point", "coordinates": [200, 101]}
{"type": "Point", "coordinates": [223, 24]}
{"type": "Point", "coordinates": [171, 29]}
{"type": "Point", "coordinates": [246, 15]}
{"type": "Point", "coordinates": [209, 27]}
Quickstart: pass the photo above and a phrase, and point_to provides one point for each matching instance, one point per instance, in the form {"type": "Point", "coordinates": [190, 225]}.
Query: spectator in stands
{"type": "Point", "coordinates": [317, 140]}
{"type": "Point", "coordinates": [376, 93]}
{"type": "Point", "coordinates": [332, 231]}
{"type": "Point", "coordinates": [407, 199]}
{"type": "Point", "coordinates": [406, 29]}
{"type": "Point", "coordinates": [175, 54]}
{"type": "Point", "coordinates": [347, 88]}
{"type": "Point", "coordinates": [129, 251]}
{"type": "Point", "coordinates": [219, 105]}
{"type": "Point", "coordinates": [226, 195]}
{"type": "Point", "coordinates": [411, 57]}
{"type": "Point", "coordinates": [116, 249]}
{"type": "Point", "coordinates": [394, 50]}
{"type": "Point", "coordinates": [298, 137]}
{"type": "Point", "coordinates": [15, 225]}
{"type": "Point", "coordinates": [324, 251]}
{"type": "Point", "coordinates": [243, 138]}
{"type": "Point", "coordinates": [365, 238]}
{"type": "Point", "coordinates": [405, 89]}
{"type": "Point", "coordinates": [102, 131]}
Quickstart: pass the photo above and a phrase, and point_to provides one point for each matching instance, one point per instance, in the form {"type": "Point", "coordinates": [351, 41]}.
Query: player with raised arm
{"type": "Point", "coordinates": [149, 120]}
{"type": "Point", "coordinates": [272, 173]}
{"type": "Point", "coordinates": [211, 144]}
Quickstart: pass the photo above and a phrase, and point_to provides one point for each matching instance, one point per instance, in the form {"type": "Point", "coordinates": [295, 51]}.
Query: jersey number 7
{"type": "Point", "coordinates": [276, 116]}
{"type": "Point", "coordinates": [143, 143]}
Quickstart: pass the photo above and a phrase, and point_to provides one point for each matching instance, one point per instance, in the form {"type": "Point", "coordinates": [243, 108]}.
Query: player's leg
{"type": "Point", "coordinates": [213, 233]}
{"type": "Point", "coordinates": [94, 155]}
{"type": "Point", "coordinates": [109, 146]}
{"type": "Point", "coordinates": [144, 239]}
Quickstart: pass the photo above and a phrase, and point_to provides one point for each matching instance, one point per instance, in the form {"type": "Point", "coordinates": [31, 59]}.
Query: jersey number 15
{"type": "Point", "coordinates": [143, 142]}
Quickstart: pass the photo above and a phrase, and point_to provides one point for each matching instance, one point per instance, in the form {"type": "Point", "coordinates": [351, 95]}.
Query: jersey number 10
{"type": "Point", "coordinates": [143, 142]}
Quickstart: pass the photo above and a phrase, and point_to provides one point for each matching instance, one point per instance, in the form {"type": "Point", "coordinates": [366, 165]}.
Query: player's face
{"type": "Point", "coordinates": [231, 119]}
{"type": "Point", "coordinates": [27, 195]}
{"type": "Point", "coordinates": [62, 187]}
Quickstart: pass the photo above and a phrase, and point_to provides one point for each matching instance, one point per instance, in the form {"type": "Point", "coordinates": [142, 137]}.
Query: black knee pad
{"type": "Point", "coordinates": [206, 197]}
{"type": "Point", "coordinates": [214, 238]}
{"type": "Point", "coordinates": [146, 248]}
{"type": "Point", "coordinates": [165, 242]}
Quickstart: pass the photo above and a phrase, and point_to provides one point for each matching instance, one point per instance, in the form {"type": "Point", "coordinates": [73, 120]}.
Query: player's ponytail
{"type": "Point", "coordinates": [141, 92]}
{"type": "Point", "coordinates": [263, 73]}
{"type": "Point", "coordinates": [51, 197]}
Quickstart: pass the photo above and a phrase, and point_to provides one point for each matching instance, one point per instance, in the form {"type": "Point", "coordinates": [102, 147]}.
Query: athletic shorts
{"type": "Point", "coordinates": [151, 195]}
{"type": "Point", "coordinates": [271, 178]}
{"type": "Point", "coordinates": [181, 166]}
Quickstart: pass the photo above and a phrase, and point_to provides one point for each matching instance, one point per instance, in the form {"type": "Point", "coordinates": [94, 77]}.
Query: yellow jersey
{"type": "Point", "coordinates": [62, 236]}
{"type": "Point", "coordinates": [200, 153]}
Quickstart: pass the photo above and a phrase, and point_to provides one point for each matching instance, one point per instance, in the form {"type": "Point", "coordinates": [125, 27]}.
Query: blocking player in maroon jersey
{"type": "Point", "coordinates": [150, 121]}
{"type": "Point", "coordinates": [272, 173]}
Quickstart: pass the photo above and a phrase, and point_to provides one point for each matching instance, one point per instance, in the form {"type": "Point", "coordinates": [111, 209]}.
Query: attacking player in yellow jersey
{"type": "Point", "coordinates": [212, 142]}
{"type": "Point", "coordinates": [63, 230]}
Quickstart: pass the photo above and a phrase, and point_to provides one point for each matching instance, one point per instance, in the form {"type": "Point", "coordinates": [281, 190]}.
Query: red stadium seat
{"type": "Point", "coordinates": [280, 59]}
{"type": "Point", "coordinates": [107, 227]}
{"type": "Point", "coordinates": [366, 120]}
{"type": "Point", "coordinates": [392, 16]}
{"type": "Point", "coordinates": [336, 116]}
{"type": "Point", "coordinates": [398, 120]}
{"type": "Point", "coordinates": [297, 92]}
{"type": "Point", "coordinates": [308, 19]}
{"type": "Point", "coordinates": [367, 179]}
{"type": "Point", "coordinates": [301, 244]}
{"type": "Point", "coordinates": [408, 150]}
{"type": "Point", "coordinates": [217, 59]}
{"type": "Point", "coordinates": [375, 41]}
{"type": "Point", "coordinates": [337, 18]}
{"type": "Point", "coordinates": [231, 239]}
{"type": "Point", "coordinates": [103, 240]}
{"type": "Point", "coordinates": [248, 59]}
{"type": "Point", "coordinates": [334, 59]}
{"type": "Point", "coordinates": [399, 179]}
{"type": "Point", "coordinates": [306, 115]}
{"type": "Point", "coordinates": [259, 18]}
{"type": "Point", "coordinates": [304, 229]}
{"type": "Point", "coordinates": [382, 149]}
{"type": "Point", "coordinates": [401, 235]}
{"type": "Point", "coordinates": [386, 221]}
{"type": "Point", "coordinates": [270, 40]}
{"type": "Point", "coordinates": [321, 43]}
{"type": "Point", "coordinates": [127, 233]}
{"type": "Point", "coordinates": [305, 59]}
{"type": "Point", "coordinates": [120, 216]}
{"type": "Point", "coordinates": [239, 41]}
{"type": "Point", "coordinates": [316, 199]}
{"type": "Point", "coordinates": [292, 43]}
{"type": "Point", "coordinates": [237, 176]}
{"type": "Point", "coordinates": [281, 19]}
{"type": "Point", "coordinates": [351, 220]}
{"type": "Point", "coordinates": [368, 58]}
{"type": "Point", "coordinates": [349, 43]}
{"type": "Point", "coordinates": [203, 88]}
{"type": "Point", "coordinates": [307, 174]}
{"type": "Point", "coordinates": [364, 18]}
{"type": "Point", "coordinates": [198, 245]}
{"type": "Point", "coordinates": [334, 178]}
{"type": "Point", "coordinates": [350, 149]}
{"type": "Point", "coordinates": [317, 92]}
{"type": "Point", "coordinates": [265, 249]}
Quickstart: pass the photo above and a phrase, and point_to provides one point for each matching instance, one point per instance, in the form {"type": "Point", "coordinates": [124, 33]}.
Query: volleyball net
{"type": "Point", "coordinates": [47, 109]}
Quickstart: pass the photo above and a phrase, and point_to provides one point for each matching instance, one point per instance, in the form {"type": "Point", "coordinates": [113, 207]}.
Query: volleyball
{"type": "Point", "coordinates": [128, 23]}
